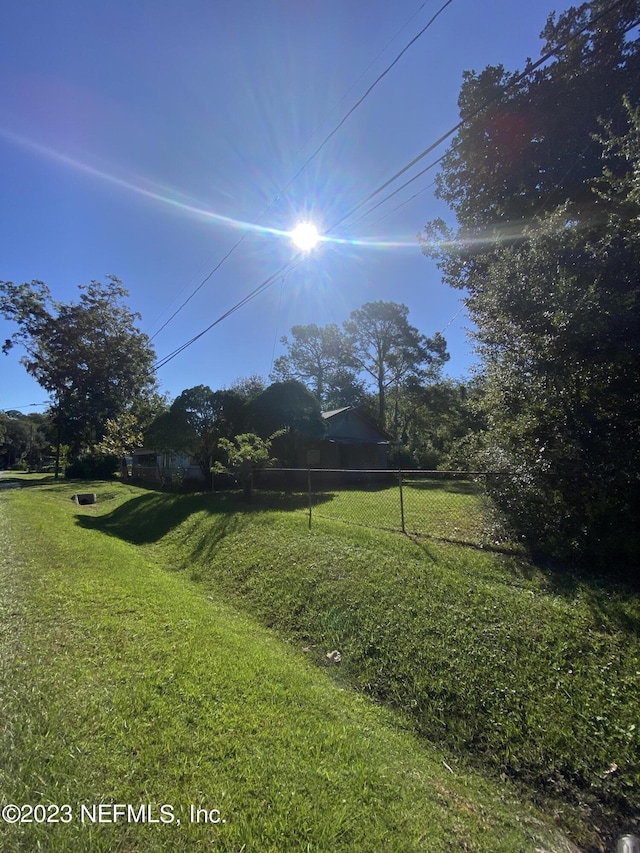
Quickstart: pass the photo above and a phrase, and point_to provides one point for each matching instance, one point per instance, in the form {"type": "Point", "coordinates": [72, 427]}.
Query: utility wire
{"type": "Point", "coordinates": [311, 157]}
{"type": "Point", "coordinates": [615, 108]}
{"type": "Point", "coordinates": [373, 61]}
{"type": "Point", "coordinates": [289, 266]}
{"type": "Point", "coordinates": [206, 278]}
{"type": "Point", "coordinates": [398, 206]}
{"type": "Point", "coordinates": [532, 66]}
{"type": "Point", "coordinates": [366, 94]}
{"type": "Point", "coordinates": [399, 189]}
{"type": "Point", "coordinates": [284, 270]}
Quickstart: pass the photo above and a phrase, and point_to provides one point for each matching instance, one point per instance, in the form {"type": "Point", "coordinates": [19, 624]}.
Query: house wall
{"type": "Point", "coordinates": [336, 454]}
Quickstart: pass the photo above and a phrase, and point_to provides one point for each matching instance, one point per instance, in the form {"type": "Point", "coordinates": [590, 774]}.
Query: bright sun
{"type": "Point", "coordinates": [305, 236]}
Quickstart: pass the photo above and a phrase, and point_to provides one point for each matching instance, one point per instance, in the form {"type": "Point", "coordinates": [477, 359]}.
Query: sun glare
{"type": "Point", "coordinates": [305, 236]}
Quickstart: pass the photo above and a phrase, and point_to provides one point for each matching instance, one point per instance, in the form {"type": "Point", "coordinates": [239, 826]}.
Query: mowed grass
{"type": "Point", "coordinates": [533, 675]}
{"type": "Point", "coordinates": [453, 510]}
{"type": "Point", "coordinates": [123, 682]}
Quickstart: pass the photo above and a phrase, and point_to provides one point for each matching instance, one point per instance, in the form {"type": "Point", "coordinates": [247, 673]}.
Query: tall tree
{"type": "Point", "coordinates": [382, 343]}
{"type": "Point", "coordinates": [317, 356]}
{"type": "Point", "coordinates": [530, 142]}
{"type": "Point", "coordinates": [89, 355]}
{"type": "Point", "coordinates": [550, 266]}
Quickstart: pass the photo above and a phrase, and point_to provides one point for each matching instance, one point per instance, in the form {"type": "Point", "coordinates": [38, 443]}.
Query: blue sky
{"type": "Point", "coordinates": [140, 138]}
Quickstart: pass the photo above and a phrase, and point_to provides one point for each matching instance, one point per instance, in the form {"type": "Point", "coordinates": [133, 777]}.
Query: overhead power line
{"type": "Point", "coordinates": [439, 160]}
{"type": "Point", "coordinates": [532, 66]}
{"type": "Point", "coordinates": [284, 270]}
{"type": "Point", "coordinates": [288, 267]}
{"type": "Point", "coordinates": [203, 282]}
{"type": "Point", "coordinates": [366, 94]}
{"type": "Point", "coordinates": [310, 158]}
{"type": "Point", "coordinates": [373, 61]}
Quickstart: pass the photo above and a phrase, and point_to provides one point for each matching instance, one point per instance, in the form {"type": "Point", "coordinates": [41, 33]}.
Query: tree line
{"type": "Point", "coordinates": [376, 345]}
{"type": "Point", "coordinates": [97, 366]}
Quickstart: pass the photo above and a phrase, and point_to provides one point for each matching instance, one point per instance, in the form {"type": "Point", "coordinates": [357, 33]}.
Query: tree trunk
{"type": "Point", "coordinates": [57, 468]}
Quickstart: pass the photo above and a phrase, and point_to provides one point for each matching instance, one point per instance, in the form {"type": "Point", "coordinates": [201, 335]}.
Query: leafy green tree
{"type": "Point", "coordinates": [242, 454]}
{"type": "Point", "coordinates": [17, 432]}
{"type": "Point", "coordinates": [196, 422]}
{"type": "Point", "coordinates": [122, 435]}
{"type": "Point", "coordinates": [532, 145]}
{"type": "Point", "coordinates": [125, 434]}
{"type": "Point", "coordinates": [89, 355]}
{"type": "Point", "coordinates": [383, 344]}
{"type": "Point", "coordinates": [24, 438]}
{"type": "Point", "coordinates": [548, 253]}
{"type": "Point", "coordinates": [431, 420]}
{"type": "Point", "coordinates": [291, 409]}
{"type": "Point", "coordinates": [563, 394]}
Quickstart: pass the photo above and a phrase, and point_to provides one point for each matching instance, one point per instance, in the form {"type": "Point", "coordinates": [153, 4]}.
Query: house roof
{"type": "Point", "coordinates": [334, 412]}
{"type": "Point", "coordinates": [348, 426]}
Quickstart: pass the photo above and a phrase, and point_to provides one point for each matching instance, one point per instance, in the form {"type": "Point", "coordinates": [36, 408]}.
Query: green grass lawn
{"type": "Point", "coordinates": [125, 683]}
{"type": "Point", "coordinates": [453, 510]}
{"type": "Point", "coordinates": [172, 649]}
{"type": "Point", "coordinates": [534, 675]}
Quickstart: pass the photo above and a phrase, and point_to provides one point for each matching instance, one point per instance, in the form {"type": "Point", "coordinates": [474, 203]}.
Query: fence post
{"type": "Point", "coordinates": [401, 501]}
{"type": "Point", "coordinates": [309, 490]}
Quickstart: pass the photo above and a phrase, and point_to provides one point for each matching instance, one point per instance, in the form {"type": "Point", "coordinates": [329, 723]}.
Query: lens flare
{"type": "Point", "coordinates": [305, 235]}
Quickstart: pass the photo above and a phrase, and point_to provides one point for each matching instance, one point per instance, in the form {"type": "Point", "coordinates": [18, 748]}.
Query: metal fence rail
{"type": "Point", "coordinates": [448, 505]}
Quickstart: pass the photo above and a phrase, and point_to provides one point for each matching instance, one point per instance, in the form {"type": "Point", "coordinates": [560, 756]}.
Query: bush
{"type": "Point", "coordinates": [99, 467]}
{"type": "Point", "coordinates": [20, 466]}
{"type": "Point", "coordinates": [401, 457]}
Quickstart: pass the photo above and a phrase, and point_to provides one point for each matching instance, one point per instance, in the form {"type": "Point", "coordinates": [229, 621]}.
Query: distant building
{"type": "Point", "coordinates": [351, 441]}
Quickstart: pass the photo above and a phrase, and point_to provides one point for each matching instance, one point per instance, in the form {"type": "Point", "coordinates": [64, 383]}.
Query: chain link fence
{"type": "Point", "coordinates": [449, 505]}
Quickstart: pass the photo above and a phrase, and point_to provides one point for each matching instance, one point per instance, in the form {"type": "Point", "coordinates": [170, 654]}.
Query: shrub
{"type": "Point", "coordinates": [98, 467]}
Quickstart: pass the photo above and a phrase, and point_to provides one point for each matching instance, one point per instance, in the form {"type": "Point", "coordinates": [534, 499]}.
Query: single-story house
{"type": "Point", "coordinates": [351, 441]}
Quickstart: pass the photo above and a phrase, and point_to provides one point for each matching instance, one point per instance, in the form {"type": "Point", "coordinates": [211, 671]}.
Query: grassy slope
{"type": "Point", "coordinates": [122, 682]}
{"type": "Point", "coordinates": [534, 675]}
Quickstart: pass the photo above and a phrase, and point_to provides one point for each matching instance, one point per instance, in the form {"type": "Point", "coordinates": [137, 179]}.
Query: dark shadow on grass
{"type": "Point", "coordinates": [613, 601]}
{"type": "Point", "coordinates": [147, 518]}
